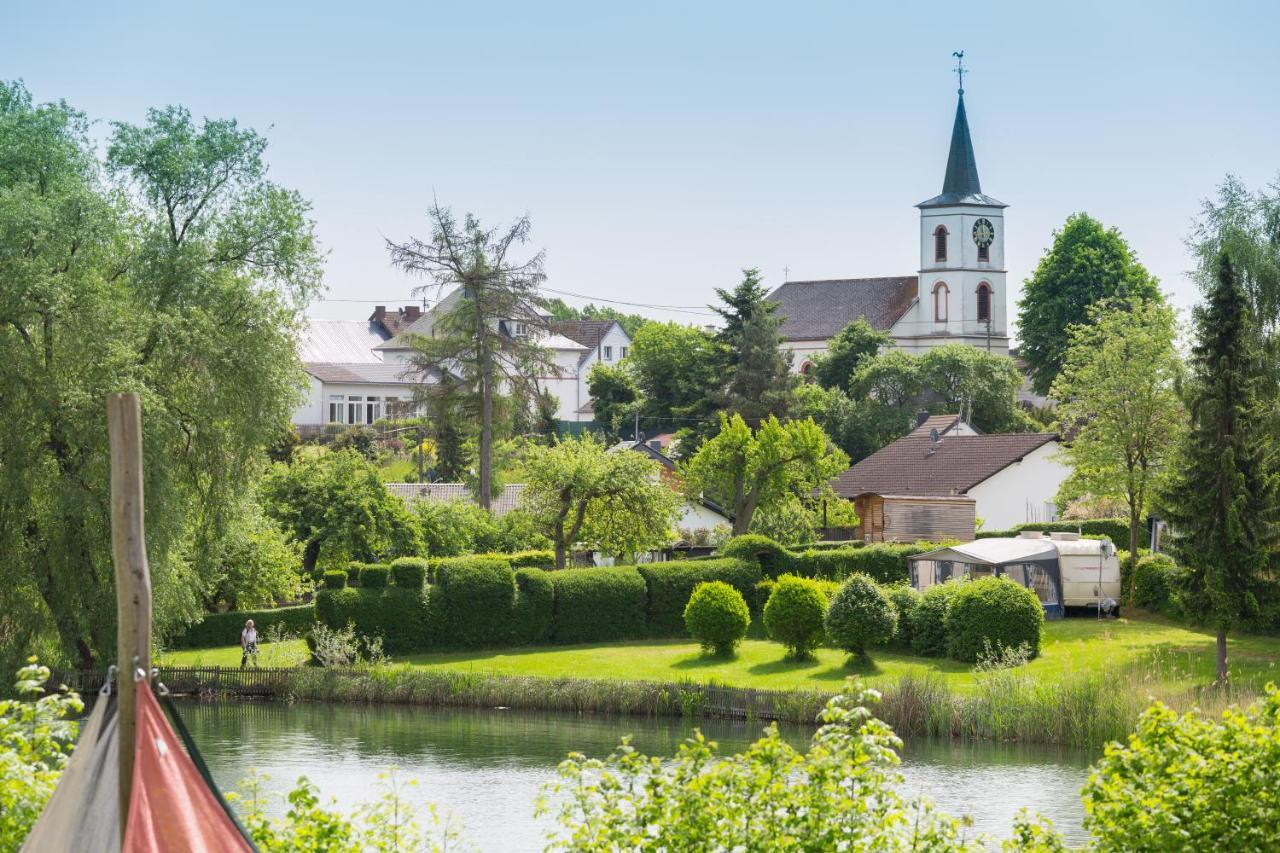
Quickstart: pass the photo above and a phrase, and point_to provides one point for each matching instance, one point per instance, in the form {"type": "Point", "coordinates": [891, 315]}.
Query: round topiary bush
{"type": "Point", "coordinates": [929, 621]}
{"type": "Point", "coordinates": [905, 601]}
{"type": "Point", "coordinates": [993, 614]}
{"type": "Point", "coordinates": [717, 617]}
{"type": "Point", "coordinates": [860, 615]}
{"type": "Point", "coordinates": [793, 615]}
{"type": "Point", "coordinates": [772, 558]}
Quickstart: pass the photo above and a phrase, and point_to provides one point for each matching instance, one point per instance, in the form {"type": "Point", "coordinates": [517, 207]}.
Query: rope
{"type": "Point", "coordinates": [198, 760]}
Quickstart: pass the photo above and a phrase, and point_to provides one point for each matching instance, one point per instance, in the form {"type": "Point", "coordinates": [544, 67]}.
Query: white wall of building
{"type": "Point", "coordinates": [315, 411]}
{"type": "Point", "coordinates": [695, 516]}
{"type": "Point", "coordinates": [1023, 492]}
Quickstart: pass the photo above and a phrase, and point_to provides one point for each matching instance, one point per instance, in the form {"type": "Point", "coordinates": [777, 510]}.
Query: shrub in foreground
{"type": "Point", "coordinates": [860, 615]}
{"type": "Point", "coordinates": [793, 615]}
{"type": "Point", "coordinates": [1190, 783]}
{"type": "Point", "coordinates": [993, 613]}
{"type": "Point", "coordinates": [929, 622]}
{"type": "Point", "coordinates": [717, 617]}
{"type": "Point", "coordinates": [906, 601]}
{"type": "Point", "coordinates": [1155, 581]}
{"type": "Point", "coordinates": [670, 584]}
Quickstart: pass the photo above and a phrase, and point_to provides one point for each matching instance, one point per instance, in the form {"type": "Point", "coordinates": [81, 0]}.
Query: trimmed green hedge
{"type": "Point", "coordinates": [334, 579]}
{"type": "Point", "coordinates": [929, 622]}
{"type": "Point", "coordinates": [398, 616]}
{"type": "Point", "coordinates": [409, 572]}
{"type": "Point", "coordinates": [477, 598]}
{"type": "Point", "coordinates": [535, 607]}
{"type": "Point", "coordinates": [223, 629]}
{"type": "Point", "coordinates": [374, 577]}
{"type": "Point", "coordinates": [598, 604]}
{"type": "Point", "coordinates": [1115, 529]}
{"type": "Point", "coordinates": [772, 558]}
{"type": "Point", "coordinates": [670, 584]}
{"type": "Point", "coordinates": [529, 559]}
{"type": "Point", "coordinates": [993, 613]}
{"type": "Point", "coordinates": [906, 601]}
{"type": "Point", "coordinates": [355, 570]}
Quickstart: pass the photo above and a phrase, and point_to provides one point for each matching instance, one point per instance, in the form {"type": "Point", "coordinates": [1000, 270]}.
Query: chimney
{"type": "Point", "coordinates": [921, 417]}
{"type": "Point", "coordinates": [411, 313]}
{"type": "Point", "coordinates": [379, 313]}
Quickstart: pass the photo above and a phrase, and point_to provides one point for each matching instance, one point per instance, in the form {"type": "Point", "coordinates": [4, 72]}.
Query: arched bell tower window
{"type": "Point", "coordinates": [940, 294]}
{"type": "Point", "coordinates": [940, 243]}
{"type": "Point", "coordinates": [984, 303]}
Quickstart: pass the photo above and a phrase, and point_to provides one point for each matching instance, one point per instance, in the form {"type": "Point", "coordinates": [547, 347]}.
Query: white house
{"type": "Point", "coordinates": [574, 345]}
{"type": "Point", "coordinates": [957, 295]}
{"type": "Point", "coordinates": [1011, 478]}
{"type": "Point", "coordinates": [348, 380]}
{"type": "Point", "coordinates": [701, 514]}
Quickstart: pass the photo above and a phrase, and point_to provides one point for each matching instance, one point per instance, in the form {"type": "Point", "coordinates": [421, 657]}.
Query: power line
{"type": "Point", "coordinates": [685, 309]}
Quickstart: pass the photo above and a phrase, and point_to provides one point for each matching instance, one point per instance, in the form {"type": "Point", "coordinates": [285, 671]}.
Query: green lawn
{"type": "Point", "coordinates": [1136, 651]}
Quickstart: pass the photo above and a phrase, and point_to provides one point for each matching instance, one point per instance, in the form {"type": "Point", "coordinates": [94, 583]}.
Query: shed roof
{"type": "Point", "coordinates": [958, 463]}
{"type": "Point", "coordinates": [819, 310]}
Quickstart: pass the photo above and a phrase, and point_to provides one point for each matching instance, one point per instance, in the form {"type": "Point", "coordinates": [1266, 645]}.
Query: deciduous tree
{"type": "Point", "coordinates": [675, 369]}
{"type": "Point", "coordinates": [613, 501]}
{"type": "Point", "coordinates": [1118, 393]}
{"type": "Point", "coordinates": [1087, 262]}
{"type": "Point", "coordinates": [846, 352]}
{"type": "Point", "coordinates": [745, 469]}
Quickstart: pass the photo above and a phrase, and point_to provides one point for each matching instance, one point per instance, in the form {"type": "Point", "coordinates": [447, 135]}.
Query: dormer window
{"type": "Point", "coordinates": [940, 294]}
{"type": "Point", "coordinates": [939, 244]}
{"type": "Point", "coordinates": [521, 330]}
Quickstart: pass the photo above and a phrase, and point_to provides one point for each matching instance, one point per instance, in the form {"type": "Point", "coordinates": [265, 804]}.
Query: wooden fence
{"type": "Point", "coordinates": [473, 690]}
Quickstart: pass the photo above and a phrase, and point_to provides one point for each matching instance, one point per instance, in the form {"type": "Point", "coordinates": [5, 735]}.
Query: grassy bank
{"type": "Point", "coordinates": [1090, 684]}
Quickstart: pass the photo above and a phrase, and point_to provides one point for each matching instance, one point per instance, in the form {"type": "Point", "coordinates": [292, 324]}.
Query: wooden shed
{"type": "Point", "coordinates": [911, 518]}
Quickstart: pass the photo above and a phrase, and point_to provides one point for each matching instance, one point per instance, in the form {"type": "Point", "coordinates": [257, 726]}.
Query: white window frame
{"type": "Point", "coordinates": [608, 353]}
{"type": "Point", "coordinates": [338, 404]}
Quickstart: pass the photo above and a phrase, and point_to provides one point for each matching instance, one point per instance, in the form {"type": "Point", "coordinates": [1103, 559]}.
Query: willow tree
{"type": "Point", "coordinates": [485, 327]}
{"type": "Point", "coordinates": [174, 268]}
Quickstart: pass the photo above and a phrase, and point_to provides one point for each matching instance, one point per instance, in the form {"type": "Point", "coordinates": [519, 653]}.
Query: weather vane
{"type": "Point", "coordinates": [959, 55]}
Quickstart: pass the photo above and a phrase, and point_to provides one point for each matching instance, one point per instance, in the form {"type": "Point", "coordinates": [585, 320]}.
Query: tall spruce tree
{"type": "Point", "coordinates": [1223, 502]}
{"type": "Point", "coordinates": [759, 381]}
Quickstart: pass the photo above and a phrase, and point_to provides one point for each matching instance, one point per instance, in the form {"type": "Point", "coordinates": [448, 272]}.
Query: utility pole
{"type": "Point", "coordinates": [133, 581]}
{"type": "Point", "coordinates": [635, 434]}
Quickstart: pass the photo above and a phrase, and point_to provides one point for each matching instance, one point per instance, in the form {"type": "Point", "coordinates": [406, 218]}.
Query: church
{"type": "Point", "coordinates": [957, 296]}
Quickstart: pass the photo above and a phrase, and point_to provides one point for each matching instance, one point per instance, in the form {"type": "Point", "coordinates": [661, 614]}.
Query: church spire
{"type": "Point", "coordinates": [960, 185]}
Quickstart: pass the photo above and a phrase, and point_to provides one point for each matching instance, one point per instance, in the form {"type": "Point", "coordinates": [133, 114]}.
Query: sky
{"type": "Point", "coordinates": [660, 148]}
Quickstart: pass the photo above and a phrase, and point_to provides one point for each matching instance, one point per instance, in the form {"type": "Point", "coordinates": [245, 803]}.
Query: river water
{"type": "Point", "coordinates": [485, 768]}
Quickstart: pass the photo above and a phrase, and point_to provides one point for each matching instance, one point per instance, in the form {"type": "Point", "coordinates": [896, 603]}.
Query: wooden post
{"type": "Point", "coordinates": [133, 580]}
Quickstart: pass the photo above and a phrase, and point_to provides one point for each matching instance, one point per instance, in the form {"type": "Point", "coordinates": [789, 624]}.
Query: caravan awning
{"type": "Point", "coordinates": [994, 552]}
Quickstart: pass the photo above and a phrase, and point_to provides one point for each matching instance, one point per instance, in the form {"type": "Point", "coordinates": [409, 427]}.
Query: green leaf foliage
{"type": "Point", "coordinates": [883, 562]}
{"type": "Point", "coordinates": [375, 576]}
{"type": "Point", "coordinates": [793, 615]}
{"type": "Point", "coordinates": [717, 617]}
{"type": "Point", "coordinates": [772, 558]}
{"type": "Point", "coordinates": [598, 604]}
{"type": "Point", "coordinates": [860, 615]}
{"type": "Point", "coordinates": [477, 597]}
{"type": "Point", "coordinates": [1157, 583]}
{"type": "Point", "coordinates": [846, 352]}
{"type": "Point", "coordinates": [399, 616]}
{"type": "Point", "coordinates": [223, 629]}
{"type": "Point", "coordinates": [929, 622]}
{"type": "Point", "coordinates": [1086, 263]}
{"type": "Point", "coordinates": [670, 584]}
{"type": "Point", "coordinates": [906, 601]}
{"type": "Point", "coordinates": [1190, 782]}
{"type": "Point", "coordinates": [335, 579]}
{"type": "Point", "coordinates": [409, 572]}
{"type": "Point", "coordinates": [994, 613]}
{"type": "Point", "coordinates": [535, 607]}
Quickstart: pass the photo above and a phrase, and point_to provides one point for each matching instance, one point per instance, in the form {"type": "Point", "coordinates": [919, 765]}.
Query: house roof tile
{"type": "Point", "coordinates": [818, 310]}
{"type": "Point", "coordinates": [958, 463]}
{"type": "Point", "coordinates": [341, 341]}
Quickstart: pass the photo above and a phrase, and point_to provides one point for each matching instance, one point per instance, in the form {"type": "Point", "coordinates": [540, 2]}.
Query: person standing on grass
{"type": "Point", "coordinates": [249, 644]}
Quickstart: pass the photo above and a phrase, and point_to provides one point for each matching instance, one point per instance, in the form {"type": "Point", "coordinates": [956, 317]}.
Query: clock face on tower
{"type": "Point", "coordinates": [983, 232]}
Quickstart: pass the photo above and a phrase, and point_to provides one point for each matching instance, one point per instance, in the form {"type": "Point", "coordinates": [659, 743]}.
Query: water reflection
{"type": "Point", "coordinates": [487, 767]}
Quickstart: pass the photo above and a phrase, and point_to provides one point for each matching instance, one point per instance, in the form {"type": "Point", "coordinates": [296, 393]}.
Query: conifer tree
{"type": "Point", "coordinates": [1223, 502]}
{"type": "Point", "coordinates": [759, 380]}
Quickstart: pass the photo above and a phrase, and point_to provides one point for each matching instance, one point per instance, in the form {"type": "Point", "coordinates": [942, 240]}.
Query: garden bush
{"type": "Point", "coordinates": [535, 607]}
{"type": "Point", "coordinates": [906, 601]}
{"type": "Point", "coordinates": [993, 613]}
{"type": "Point", "coordinates": [598, 604]}
{"type": "Point", "coordinates": [772, 558]}
{"type": "Point", "coordinates": [223, 629]}
{"type": "Point", "coordinates": [1115, 529]}
{"type": "Point", "coordinates": [335, 579]}
{"type": "Point", "coordinates": [670, 584]}
{"type": "Point", "coordinates": [530, 559]}
{"type": "Point", "coordinates": [884, 562]}
{"type": "Point", "coordinates": [717, 617]}
{"type": "Point", "coordinates": [793, 615]}
{"type": "Point", "coordinates": [929, 622]}
{"type": "Point", "coordinates": [409, 572]}
{"type": "Point", "coordinates": [374, 576]}
{"type": "Point", "coordinates": [476, 600]}
{"type": "Point", "coordinates": [398, 616]}
{"type": "Point", "coordinates": [1156, 580]}
{"type": "Point", "coordinates": [860, 615]}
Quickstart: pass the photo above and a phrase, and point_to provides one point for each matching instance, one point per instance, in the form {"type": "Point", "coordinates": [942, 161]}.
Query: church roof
{"type": "Point", "coordinates": [818, 310]}
{"type": "Point", "coordinates": [961, 184]}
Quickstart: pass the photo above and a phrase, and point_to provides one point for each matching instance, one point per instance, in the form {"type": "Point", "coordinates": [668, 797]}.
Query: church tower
{"type": "Point", "coordinates": [962, 274]}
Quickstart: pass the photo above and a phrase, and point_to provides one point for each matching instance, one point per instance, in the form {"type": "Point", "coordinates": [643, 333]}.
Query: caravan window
{"type": "Point", "coordinates": [1036, 578]}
